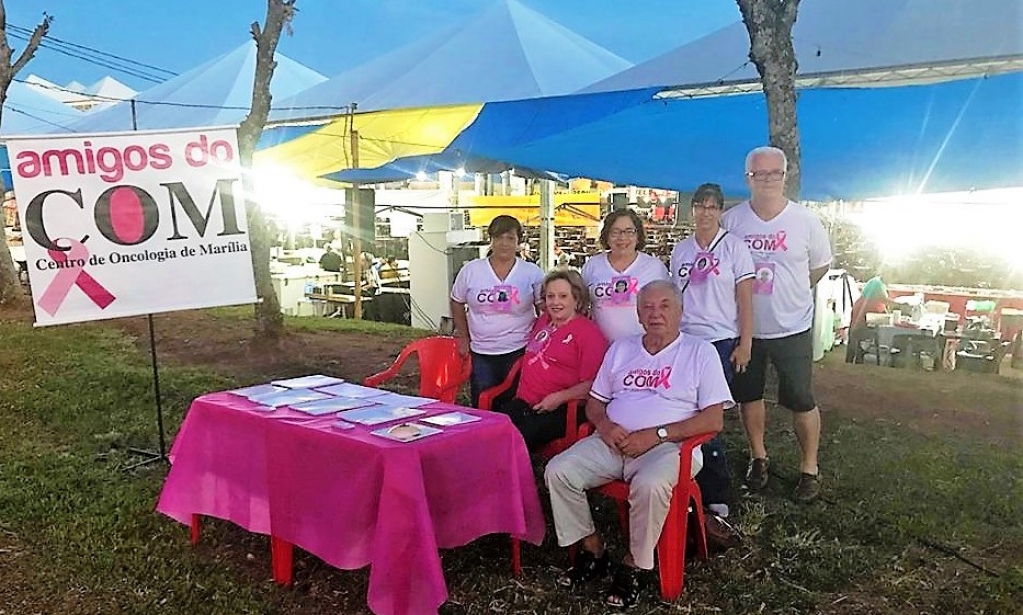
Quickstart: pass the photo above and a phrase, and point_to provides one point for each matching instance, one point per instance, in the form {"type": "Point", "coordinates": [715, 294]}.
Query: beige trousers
{"type": "Point", "coordinates": [591, 463]}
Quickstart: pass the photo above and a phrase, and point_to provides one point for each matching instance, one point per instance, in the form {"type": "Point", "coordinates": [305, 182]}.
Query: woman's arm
{"type": "Point", "coordinates": [461, 326]}
{"type": "Point", "coordinates": [744, 304]}
{"type": "Point", "coordinates": [558, 398]}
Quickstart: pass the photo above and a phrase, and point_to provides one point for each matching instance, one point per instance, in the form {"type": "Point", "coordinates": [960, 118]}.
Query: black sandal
{"type": "Point", "coordinates": [586, 568]}
{"type": "Point", "coordinates": [625, 588]}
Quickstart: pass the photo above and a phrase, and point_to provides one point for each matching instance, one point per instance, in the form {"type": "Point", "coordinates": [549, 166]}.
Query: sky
{"type": "Point", "coordinates": [330, 36]}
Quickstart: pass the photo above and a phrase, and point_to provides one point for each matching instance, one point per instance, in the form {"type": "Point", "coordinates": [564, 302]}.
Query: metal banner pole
{"type": "Point", "coordinates": [161, 455]}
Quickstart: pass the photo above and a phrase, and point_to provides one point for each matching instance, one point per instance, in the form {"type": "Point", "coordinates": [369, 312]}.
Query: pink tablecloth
{"type": "Point", "coordinates": [353, 498]}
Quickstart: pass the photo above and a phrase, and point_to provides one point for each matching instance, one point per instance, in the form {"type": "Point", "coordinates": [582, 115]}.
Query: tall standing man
{"type": "Point", "coordinates": [791, 252]}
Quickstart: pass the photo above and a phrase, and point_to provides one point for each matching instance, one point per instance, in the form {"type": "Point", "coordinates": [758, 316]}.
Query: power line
{"type": "Point", "coordinates": [10, 107]}
{"type": "Point", "coordinates": [27, 31]}
{"type": "Point", "coordinates": [168, 103]}
{"type": "Point", "coordinates": [97, 61]}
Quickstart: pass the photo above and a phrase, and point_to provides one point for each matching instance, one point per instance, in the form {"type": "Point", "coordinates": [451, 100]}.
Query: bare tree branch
{"type": "Point", "coordinates": [10, 287]}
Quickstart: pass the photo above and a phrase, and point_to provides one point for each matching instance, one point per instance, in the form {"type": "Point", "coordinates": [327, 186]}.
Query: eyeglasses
{"type": "Point", "coordinates": [773, 175]}
{"type": "Point", "coordinates": [622, 232]}
{"type": "Point", "coordinates": [705, 207]}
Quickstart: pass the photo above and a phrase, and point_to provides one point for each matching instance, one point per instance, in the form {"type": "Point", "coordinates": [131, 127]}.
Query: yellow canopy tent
{"type": "Point", "coordinates": [382, 136]}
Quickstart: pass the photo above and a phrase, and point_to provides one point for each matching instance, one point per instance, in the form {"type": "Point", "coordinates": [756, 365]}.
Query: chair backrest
{"type": "Point", "coordinates": [442, 370]}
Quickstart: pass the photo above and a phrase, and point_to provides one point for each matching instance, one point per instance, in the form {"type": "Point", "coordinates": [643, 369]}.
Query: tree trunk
{"type": "Point", "coordinates": [769, 23]}
{"type": "Point", "coordinates": [11, 291]}
{"type": "Point", "coordinates": [278, 16]}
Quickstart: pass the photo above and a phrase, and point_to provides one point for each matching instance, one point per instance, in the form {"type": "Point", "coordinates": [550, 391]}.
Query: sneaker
{"type": "Point", "coordinates": [720, 534]}
{"type": "Point", "coordinates": [756, 474]}
{"type": "Point", "coordinates": [808, 488]}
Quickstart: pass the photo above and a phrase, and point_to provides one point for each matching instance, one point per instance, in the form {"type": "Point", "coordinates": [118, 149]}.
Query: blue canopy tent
{"type": "Point", "coordinates": [416, 99]}
{"type": "Point", "coordinates": [507, 51]}
{"type": "Point", "coordinates": [866, 42]}
{"type": "Point", "coordinates": [951, 117]}
{"type": "Point", "coordinates": [26, 112]}
{"type": "Point", "coordinates": [498, 127]}
{"type": "Point", "coordinates": [216, 93]}
{"type": "Point", "coordinates": [856, 143]}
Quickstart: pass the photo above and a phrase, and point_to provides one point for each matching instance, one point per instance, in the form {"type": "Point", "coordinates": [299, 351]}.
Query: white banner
{"type": "Point", "coordinates": [134, 223]}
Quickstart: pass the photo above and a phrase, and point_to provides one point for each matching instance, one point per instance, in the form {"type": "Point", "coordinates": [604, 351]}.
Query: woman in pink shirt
{"type": "Point", "coordinates": [563, 354]}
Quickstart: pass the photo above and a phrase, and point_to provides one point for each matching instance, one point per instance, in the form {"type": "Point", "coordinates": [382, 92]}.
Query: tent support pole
{"type": "Point", "coordinates": [546, 224]}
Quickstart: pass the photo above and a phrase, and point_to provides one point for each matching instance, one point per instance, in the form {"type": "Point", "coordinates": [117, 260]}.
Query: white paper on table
{"type": "Point", "coordinates": [353, 391]}
{"type": "Point", "coordinates": [373, 415]}
{"type": "Point", "coordinates": [257, 390]}
{"type": "Point", "coordinates": [408, 401]}
{"type": "Point", "coordinates": [451, 418]}
{"type": "Point", "coordinates": [331, 404]}
{"type": "Point", "coordinates": [406, 432]}
{"type": "Point", "coordinates": [308, 382]}
{"type": "Point", "coordinates": [289, 397]}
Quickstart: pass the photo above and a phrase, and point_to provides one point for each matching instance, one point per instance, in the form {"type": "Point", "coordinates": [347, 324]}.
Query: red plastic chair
{"type": "Point", "coordinates": [442, 370]}
{"type": "Point", "coordinates": [671, 547]}
{"type": "Point", "coordinates": [549, 450]}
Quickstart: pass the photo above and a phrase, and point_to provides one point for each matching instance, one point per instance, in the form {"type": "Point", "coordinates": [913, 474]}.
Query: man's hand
{"type": "Point", "coordinates": [741, 357]}
{"type": "Point", "coordinates": [612, 433]}
{"type": "Point", "coordinates": [638, 442]}
{"type": "Point", "coordinates": [463, 345]}
{"type": "Point", "coordinates": [549, 403]}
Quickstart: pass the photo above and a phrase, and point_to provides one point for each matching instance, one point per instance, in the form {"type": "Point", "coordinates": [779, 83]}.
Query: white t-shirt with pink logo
{"type": "Point", "coordinates": [709, 276]}
{"type": "Point", "coordinates": [784, 250]}
{"type": "Point", "coordinates": [500, 312]}
{"type": "Point", "coordinates": [643, 390]}
{"type": "Point", "coordinates": [613, 293]}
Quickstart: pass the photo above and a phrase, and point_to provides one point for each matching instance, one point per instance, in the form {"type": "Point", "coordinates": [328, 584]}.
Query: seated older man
{"type": "Point", "coordinates": [652, 391]}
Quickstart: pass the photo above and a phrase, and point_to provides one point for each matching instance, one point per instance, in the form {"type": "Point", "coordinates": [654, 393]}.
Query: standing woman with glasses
{"type": "Point", "coordinates": [494, 305]}
{"type": "Point", "coordinates": [714, 271]}
{"type": "Point", "coordinates": [614, 277]}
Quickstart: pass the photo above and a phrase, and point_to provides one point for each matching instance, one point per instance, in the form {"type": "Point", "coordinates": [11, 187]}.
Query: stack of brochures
{"type": "Point", "coordinates": [318, 394]}
{"type": "Point", "coordinates": [376, 414]}
{"type": "Point", "coordinates": [316, 381]}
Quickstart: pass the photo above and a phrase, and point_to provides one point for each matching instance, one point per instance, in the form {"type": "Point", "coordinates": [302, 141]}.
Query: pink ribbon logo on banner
{"type": "Point", "coordinates": [71, 272]}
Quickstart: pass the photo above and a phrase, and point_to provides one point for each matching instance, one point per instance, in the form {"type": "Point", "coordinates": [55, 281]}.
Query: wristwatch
{"type": "Point", "coordinates": [662, 434]}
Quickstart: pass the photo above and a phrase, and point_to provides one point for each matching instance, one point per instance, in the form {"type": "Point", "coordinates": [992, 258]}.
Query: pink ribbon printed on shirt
{"type": "Point", "coordinates": [780, 241]}
{"type": "Point", "coordinates": [70, 275]}
{"type": "Point", "coordinates": [704, 265]}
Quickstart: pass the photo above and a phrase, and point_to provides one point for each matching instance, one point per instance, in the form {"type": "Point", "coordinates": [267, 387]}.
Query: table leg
{"type": "Point", "coordinates": [281, 560]}
{"type": "Point", "coordinates": [194, 528]}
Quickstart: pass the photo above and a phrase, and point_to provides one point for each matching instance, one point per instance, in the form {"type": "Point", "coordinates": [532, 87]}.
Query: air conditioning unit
{"type": "Point", "coordinates": [456, 220]}
{"type": "Point", "coordinates": [443, 222]}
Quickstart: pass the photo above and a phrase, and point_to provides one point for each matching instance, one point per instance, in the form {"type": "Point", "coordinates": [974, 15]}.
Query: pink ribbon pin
{"type": "Point", "coordinates": [72, 275]}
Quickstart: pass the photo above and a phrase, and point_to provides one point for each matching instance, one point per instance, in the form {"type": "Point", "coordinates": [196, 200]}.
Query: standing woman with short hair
{"type": "Point", "coordinates": [714, 271]}
{"type": "Point", "coordinates": [614, 277]}
{"type": "Point", "coordinates": [494, 305]}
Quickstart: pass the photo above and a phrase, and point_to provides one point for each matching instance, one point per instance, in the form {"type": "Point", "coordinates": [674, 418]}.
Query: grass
{"type": "Point", "coordinates": [909, 523]}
